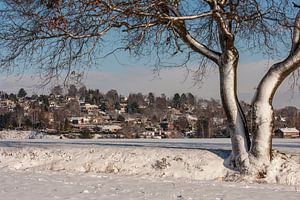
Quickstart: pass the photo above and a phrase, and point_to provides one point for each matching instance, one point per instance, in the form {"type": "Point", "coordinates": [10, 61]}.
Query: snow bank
{"type": "Point", "coordinates": [151, 161]}
{"type": "Point", "coordinates": [154, 162]}
{"type": "Point", "coordinates": [14, 134]}
{"type": "Point", "coordinates": [21, 135]}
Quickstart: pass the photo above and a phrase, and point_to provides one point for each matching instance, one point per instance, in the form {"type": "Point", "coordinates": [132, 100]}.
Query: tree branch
{"type": "Point", "coordinates": [197, 46]}
{"type": "Point", "coordinates": [296, 5]}
{"type": "Point", "coordinates": [296, 34]}
{"type": "Point", "coordinates": [191, 17]}
{"type": "Point", "coordinates": [279, 71]}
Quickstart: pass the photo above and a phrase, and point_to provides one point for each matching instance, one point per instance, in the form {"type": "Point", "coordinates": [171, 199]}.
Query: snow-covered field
{"type": "Point", "coordinates": [138, 169]}
{"type": "Point", "coordinates": [28, 185]}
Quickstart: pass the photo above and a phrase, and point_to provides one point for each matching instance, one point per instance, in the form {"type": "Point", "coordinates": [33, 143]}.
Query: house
{"type": "Point", "coordinates": [90, 109]}
{"type": "Point", "coordinates": [99, 120]}
{"type": "Point", "coordinates": [286, 133]}
{"type": "Point", "coordinates": [79, 120]}
{"type": "Point", "coordinates": [111, 128]}
{"type": "Point", "coordinates": [6, 103]}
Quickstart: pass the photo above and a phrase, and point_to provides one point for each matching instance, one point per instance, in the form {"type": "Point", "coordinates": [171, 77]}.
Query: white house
{"type": "Point", "coordinates": [79, 120]}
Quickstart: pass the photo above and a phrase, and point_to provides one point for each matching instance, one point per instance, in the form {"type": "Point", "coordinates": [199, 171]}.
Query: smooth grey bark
{"type": "Point", "coordinates": [236, 120]}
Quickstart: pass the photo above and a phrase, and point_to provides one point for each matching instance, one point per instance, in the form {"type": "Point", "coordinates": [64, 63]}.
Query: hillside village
{"type": "Point", "coordinates": [87, 113]}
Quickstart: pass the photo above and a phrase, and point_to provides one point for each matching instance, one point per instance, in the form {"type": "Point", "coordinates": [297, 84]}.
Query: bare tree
{"type": "Point", "coordinates": [72, 91]}
{"type": "Point", "coordinates": [57, 90]}
{"type": "Point", "coordinates": [60, 36]}
{"type": "Point", "coordinates": [112, 98]}
{"type": "Point", "coordinates": [19, 114]}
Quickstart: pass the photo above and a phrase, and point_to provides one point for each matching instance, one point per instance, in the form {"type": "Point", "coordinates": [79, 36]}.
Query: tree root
{"type": "Point", "coordinates": [282, 169]}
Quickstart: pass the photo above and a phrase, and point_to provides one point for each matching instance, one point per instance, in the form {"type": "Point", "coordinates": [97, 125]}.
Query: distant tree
{"type": "Point", "coordinates": [73, 107]}
{"type": "Point", "coordinates": [133, 107]}
{"type": "Point", "coordinates": [85, 133]}
{"type": "Point", "coordinates": [72, 91]}
{"type": "Point", "coordinates": [34, 96]}
{"type": "Point", "coordinates": [183, 100]}
{"type": "Point", "coordinates": [117, 106]}
{"type": "Point", "coordinates": [98, 97]}
{"type": "Point", "coordinates": [94, 97]}
{"type": "Point", "coordinates": [59, 116]}
{"type": "Point", "coordinates": [127, 131]}
{"type": "Point", "coordinates": [203, 128]}
{"type": "Point", "coordinates": [45, 102]}
{"type": "Point", "coordinates": [33, 115]}
{"type": "Point", "coordinates": [89, 97]}
{"type": "Point", "coordinates": [151, 98]}
{"type": "Point", "coordinates": [22, 93]}
{"type": "Point", "coordinates": [13, 97]}
{"type": "Point", "coordinates": [43, 119]}
{"type": "Point", "coordinates": [82, 92]}
{"type": "Point", "coordinates": [19, 115]}
{"type": "Point", "coordinates": [140, 99]}
{"type": "Point", "coordinates": [191, 99]}
{"type": "Point", "coordinates": [136, 99]}
{"type": "Point", "coordinates": [161, 103]}
{"type": "Point", "coordinates": [176, 101]}
{"type": "Point", "coordinates": [112, 98]}
{"type": "Point", "coordinates": [6, 120]}
{"type": "Point", "coordinates": [183, 124]}
{"type": "Point", "coordinates": [57, 90]}
{"type": "Point", "coordinates": [103, 107]}
{"type": "Point", "coordinates": [27, 123]}
{"type": "Point", "coordinates": [3, 95]}
{"type": "Point", "coordinates": [67, 125]}
{"type": "Point", "coordinates": [161, 106]}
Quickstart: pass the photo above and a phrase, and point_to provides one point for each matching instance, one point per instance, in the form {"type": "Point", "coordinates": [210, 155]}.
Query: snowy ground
{"type": "Point", "coordinates": [136, 169]}
{"type": "Point", "coordinates": [27, 185]}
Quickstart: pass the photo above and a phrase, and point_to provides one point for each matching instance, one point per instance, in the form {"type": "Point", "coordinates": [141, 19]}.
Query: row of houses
{"type": "Point", "coordinates": [93, 117]}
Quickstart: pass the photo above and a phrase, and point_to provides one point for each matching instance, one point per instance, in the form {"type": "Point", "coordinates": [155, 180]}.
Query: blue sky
{"type": "Point", "coordinates": [127, 75]}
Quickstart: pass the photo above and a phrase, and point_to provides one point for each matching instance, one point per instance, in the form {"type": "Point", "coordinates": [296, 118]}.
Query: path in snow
{"type": "Point", "coordinates": [285, 145]}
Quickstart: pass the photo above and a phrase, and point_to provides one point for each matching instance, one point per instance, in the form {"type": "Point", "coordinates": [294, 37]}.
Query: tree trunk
{"type": "Point", "coordinates": [263, 118]}
{"type": "Point", "coordinates": [263, 115]}
{"type": "Point", "coordinates": [236, 120]}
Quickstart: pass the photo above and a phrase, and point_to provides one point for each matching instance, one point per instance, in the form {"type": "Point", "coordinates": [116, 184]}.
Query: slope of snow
{"type": "Point", "coordinates": [22, 135]}
{"type": "Point", "coordinates": [153, 162]}
{"type": "Point", "coordinates": [127, 158]}
{"type": "Point", "coordinates": [11, 134]}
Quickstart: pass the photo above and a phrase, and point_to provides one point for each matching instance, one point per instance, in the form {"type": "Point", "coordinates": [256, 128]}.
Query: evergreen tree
{"type": "Point", "coordinates": [22, 93]}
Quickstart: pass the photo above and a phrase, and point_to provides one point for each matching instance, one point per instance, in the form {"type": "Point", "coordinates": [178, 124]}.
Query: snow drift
{"type": "Point", "coordinates": [12, 134]}
{"type": "Point", "coordinates": [191, 164]}
{"type": "Point", "coordinates": [157, 162]}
